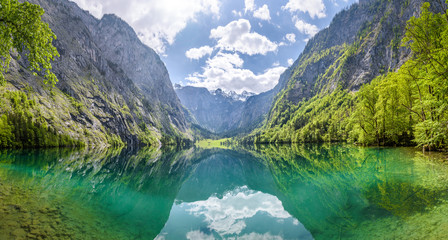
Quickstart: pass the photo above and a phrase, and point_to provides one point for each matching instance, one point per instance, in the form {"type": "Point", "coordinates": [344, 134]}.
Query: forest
{"type": "Point", "coordinates": [407, 106]}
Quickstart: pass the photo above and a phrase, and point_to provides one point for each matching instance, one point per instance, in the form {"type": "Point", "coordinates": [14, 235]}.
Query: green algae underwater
{"type": "Point", "coordinates": [261, 192]}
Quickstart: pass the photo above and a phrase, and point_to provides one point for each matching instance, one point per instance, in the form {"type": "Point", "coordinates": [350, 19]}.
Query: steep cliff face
{"type": "Point", "coordinates": [120, 45]}
{"type": "Point", "coordinates": [215, 111]}
{"type": "Point", "coordinates": [355, 80]}
{"type": "Point", "coordinates": [110, 84]}
{"type": "Point", "coordinates": [229, 114]}
{"type": "Point", "coordinates": [360, 44]}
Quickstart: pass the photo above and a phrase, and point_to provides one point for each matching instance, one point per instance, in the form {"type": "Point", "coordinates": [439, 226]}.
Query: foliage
{"type": "Point", "coordinates": [147, 137]}
{"type": "Point", "coordinates": [175, 140]}
{"type": "Point", "coordinates": [6, 132]}
{"type": "Point", "coordinates": [320, 119]}
{"type": "Point", "coordinates": [22, 29]}
{"type": "Point", "coordinates": [412, 102]}
{"type": "Point", "coordinates": [19, 127]}
{"type": "Point", "coordinates": [406, 107]}
{"type": "Point", "coordinates": [224, 143]}
{"type": "Point", "coordinates": [115, 141]}
{"type": "Point", "coordinates": [380, 116]}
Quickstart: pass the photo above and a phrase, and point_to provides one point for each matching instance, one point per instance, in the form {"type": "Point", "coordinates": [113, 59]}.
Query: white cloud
{"type": "Point", "coordinates": [227, 216]}
{"type": "Point", "coordinates": [290, 61]}
{"type": "Point", "coordinates": [236, 36]}
{"type": "Point", "coordinates": [263, 13]}
{"type": "Point", "coordinates": [156, 22]}
{"type": "Point", "coordinates": [257, 236]}
{"type": "Point", "coordinates": [94, 7]}
{"type": "Point", "coordinates": [291, 37]}
{"type": "Point", "coordinates": [226, 71]}
{"type": "Point", "coordinates": [315, 8]}
{"type": "Point", "coordinates": [198, 235]}
{"type": "Point", "coordinates": [306, 28]}
{"type": "Point", "coordinates": [198, 53]}
{"type": "Point", "coordinates": [249, 5]}
{"type": "Point", "coordinates": [236, 13]}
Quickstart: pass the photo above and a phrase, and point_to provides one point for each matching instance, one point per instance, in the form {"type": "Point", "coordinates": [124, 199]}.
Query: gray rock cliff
{"type": "Point", "coordinates": [119, 86]}
{"type": "Point", "coordinates": [361, 43]}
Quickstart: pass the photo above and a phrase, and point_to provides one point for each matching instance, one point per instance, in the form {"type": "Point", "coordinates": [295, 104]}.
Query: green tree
{"type": "Point", "coordinates": [22, 30]}
{"type": "Point", "coordinates": [427, 36]}
{"type": "Point", "coordinates": [365, 116]}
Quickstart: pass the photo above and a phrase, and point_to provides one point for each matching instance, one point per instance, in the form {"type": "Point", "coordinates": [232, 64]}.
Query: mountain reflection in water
{"type": "Point", "coordinates": [262, 192]}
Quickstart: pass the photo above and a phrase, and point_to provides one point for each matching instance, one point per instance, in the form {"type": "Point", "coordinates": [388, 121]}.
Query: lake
{"type": "Point", "coordinates": [258, 192]}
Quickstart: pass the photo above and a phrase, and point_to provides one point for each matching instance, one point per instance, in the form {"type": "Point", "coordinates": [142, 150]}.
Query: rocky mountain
{"type": "Point", "coordinates": [112, 88]}
{"type": "Point", "coordinates": [215, 111]}
{"type": "Point", "coordinates": [361, 43]}
{"type": "Point", "coordinates": [228, 114]}
{"type": "Point", "coordinates": [235, 96]}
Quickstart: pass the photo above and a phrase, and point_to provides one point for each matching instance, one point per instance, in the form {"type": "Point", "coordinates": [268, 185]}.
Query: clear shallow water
{"type": "Point", "coordinates": [268, 192]}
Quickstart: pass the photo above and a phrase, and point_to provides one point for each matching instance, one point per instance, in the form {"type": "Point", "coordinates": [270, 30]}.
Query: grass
{"type": "Point", "coordinates": [209, 144]}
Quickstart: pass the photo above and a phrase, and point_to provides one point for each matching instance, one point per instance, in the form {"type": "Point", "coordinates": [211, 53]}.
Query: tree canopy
{"type": "Point", "coordinates": [406, 106]}
{"type": "Point", "coordinates": [22, 30]}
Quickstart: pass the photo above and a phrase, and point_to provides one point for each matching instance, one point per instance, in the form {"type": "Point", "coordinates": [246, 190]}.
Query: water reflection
{"type": "Point", "coordinates": [334, 190]}
{"type": "Point", "coordinates": [99, 195]}
{"type": "Point", "coordinates": [241, 213]}
{"type": "Point", "coordinates": [262, 192]}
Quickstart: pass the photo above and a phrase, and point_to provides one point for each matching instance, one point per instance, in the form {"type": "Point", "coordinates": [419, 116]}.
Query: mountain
{"type": "Point", "coordinates": [112, 88]}
{"type": "Point", "coordinates": [235, 96]}
{"type": "Point", "coordinates": [215, 111]}
{"type": "Point", "coordinates": [319, 101]}
{"type": "Point", "coordinates": [361, 43]}
{"type": "Point", "coordinates": [227, 114]}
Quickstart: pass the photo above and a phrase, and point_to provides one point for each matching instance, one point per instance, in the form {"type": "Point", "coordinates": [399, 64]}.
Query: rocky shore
{"type": "Point", "coordinates": [25, 217]}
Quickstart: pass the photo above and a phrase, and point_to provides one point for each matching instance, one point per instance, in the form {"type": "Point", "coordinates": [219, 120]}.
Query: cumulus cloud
{"type": "Point", "coordinates": [236, 36]}
{"type": "Point", "coordinates": [249, 5]}
{"type": "Point", "coordinates": [315, 8]}
{"type": "Point", "coordinates": [156, 22]}
{"type": "Point", "coordinates": [291, 37]}
{"type": "Point", "coordinates": [226, 216]}
{"type": "Point", "coordinates": [263, 13]}
{"type": "Point", "coordinates": [198, 235]}
{"type": "Point", "coordinates": [237, 13]}
{"type": "Point", "coordinates": [94, 7]}
{"type": "Point", "coordinates": [257, 236]}
{"type": "Point", "coordinates": [306, 28]}
{"type": "Point", "coordinates": [198, 53]}
{"type": "Point", "coordinates": [225, 71]}
{"type": "Point", "coordinates": [290, 61]}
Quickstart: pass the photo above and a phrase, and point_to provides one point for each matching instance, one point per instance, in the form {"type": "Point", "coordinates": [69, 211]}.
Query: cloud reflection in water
{"type": "Point", "coordinates": [242, 213]}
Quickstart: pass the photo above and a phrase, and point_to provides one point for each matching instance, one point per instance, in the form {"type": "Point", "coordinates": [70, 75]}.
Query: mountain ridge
{"type": "Point", "coordinates": [105, 96]}
{"type": "Point", "coordinates": [362, 43]}
{"type": "Point", "coordinates": [247, 115]}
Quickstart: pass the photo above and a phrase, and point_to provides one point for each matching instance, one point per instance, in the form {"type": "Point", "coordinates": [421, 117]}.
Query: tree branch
{"type": "Point", "coordinates": [409, 109]}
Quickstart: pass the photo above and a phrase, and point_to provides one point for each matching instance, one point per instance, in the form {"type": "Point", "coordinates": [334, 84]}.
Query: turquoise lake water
{"type": "Point", "coordinates": [263, 192]}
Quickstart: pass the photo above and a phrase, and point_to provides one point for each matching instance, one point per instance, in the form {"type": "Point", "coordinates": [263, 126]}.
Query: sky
{"type": "Point", "coordinates": [235, 45]}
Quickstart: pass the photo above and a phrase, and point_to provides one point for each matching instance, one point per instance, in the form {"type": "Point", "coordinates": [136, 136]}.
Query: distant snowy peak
{"type": "Point", "coordinates": [219, 92]}
{"type": "Point", "coordinates": [233, 95]}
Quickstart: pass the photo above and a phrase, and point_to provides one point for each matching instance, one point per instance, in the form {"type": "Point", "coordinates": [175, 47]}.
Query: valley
{"type": "Point", "coordinates": [173, 120]}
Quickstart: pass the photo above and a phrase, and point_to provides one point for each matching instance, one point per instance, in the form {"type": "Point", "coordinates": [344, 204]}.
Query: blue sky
{"type": "Point", "coordinates": [236, 45]}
